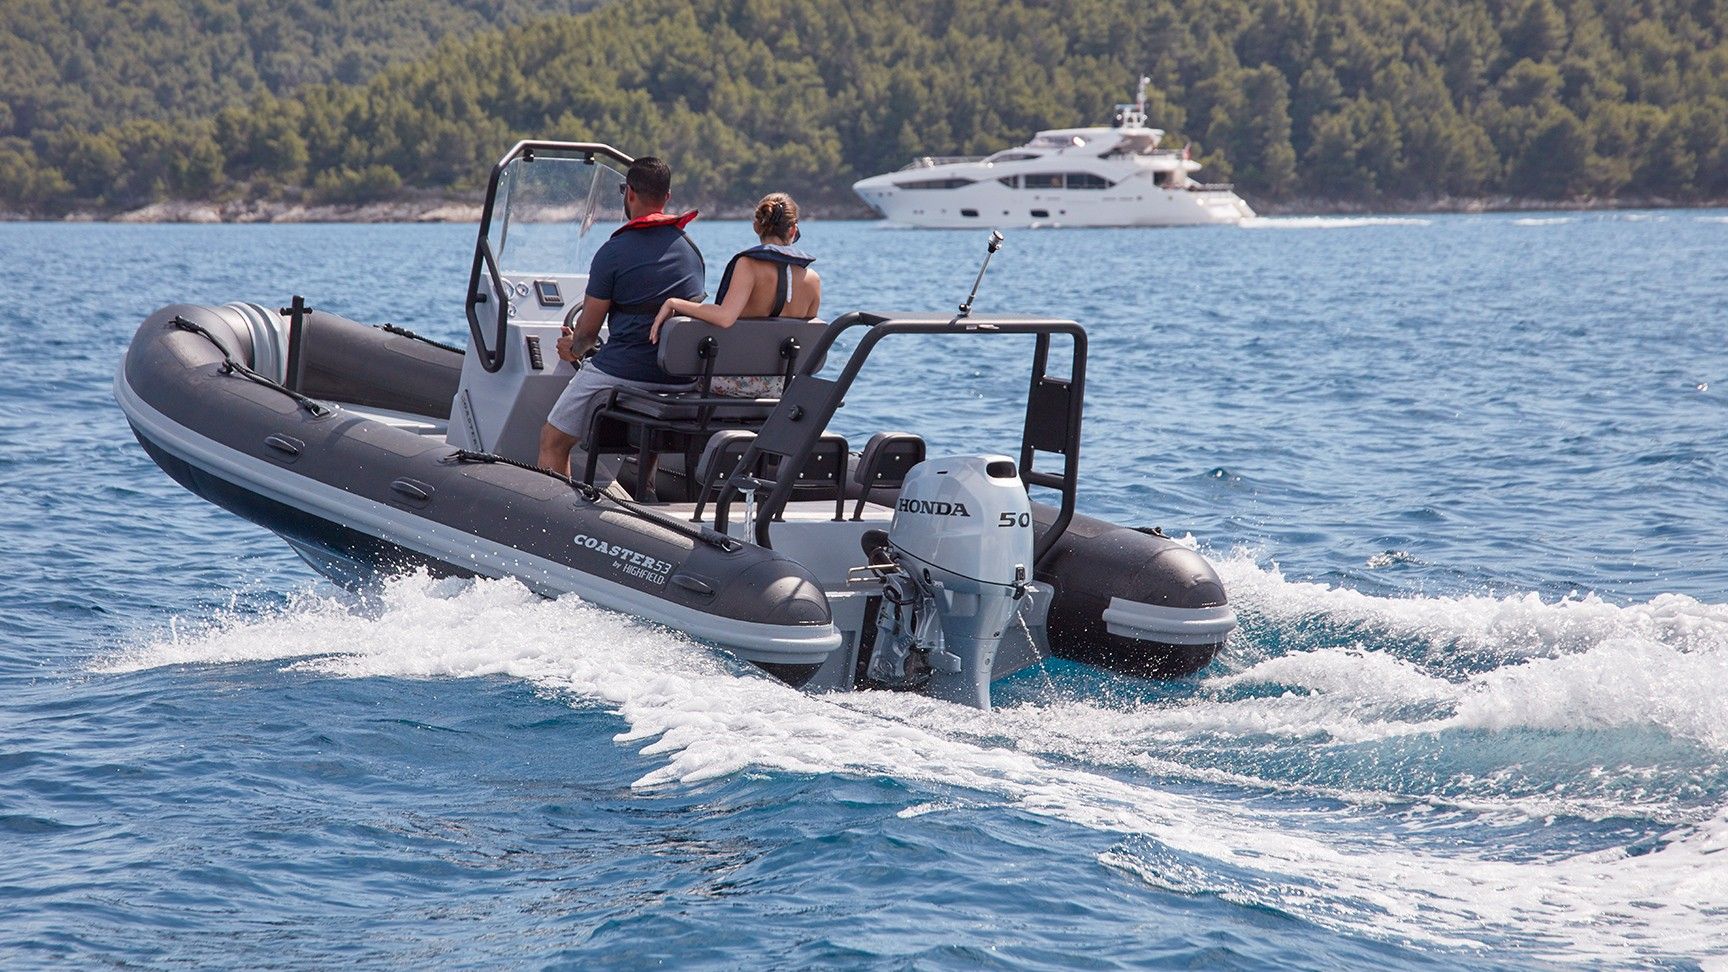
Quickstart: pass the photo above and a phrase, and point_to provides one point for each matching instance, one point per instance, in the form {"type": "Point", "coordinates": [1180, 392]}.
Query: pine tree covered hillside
{"type": "Point", "coordinates": [72, 67]}
{"type": "Point", "coordinates": [1366, 100]}
{"type": "Point", "coordinates": [89, 63]}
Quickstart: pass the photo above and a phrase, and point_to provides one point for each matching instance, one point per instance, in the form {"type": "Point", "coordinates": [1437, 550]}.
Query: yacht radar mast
{"type": "Point", "coordinates": [1134, 115]}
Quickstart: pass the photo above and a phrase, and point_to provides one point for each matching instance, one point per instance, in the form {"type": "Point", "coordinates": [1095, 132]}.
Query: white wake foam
{"type": "Point", "coordinates": [1330, 222]}
{"type": "Point", "coordinates": [1543, 220]}
{"type": "Point", "coordinates": [1510, 627]}
{"type": "Point", "coordinates": [697, 713]}
{"type": "Point", "coordinates": [1580, 663]}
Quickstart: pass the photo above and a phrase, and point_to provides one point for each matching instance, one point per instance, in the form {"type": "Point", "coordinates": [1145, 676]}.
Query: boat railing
{"type": "Point", "coordinates": [1145, 157]}
{"type": "Point", "coordinates": [930, 161]}
{"type": "Point", "coordinates": [1053, 409]}
{"type": "Point", "coordinates": [1211, 186]}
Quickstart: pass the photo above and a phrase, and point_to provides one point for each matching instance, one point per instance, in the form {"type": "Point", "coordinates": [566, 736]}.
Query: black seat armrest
{"type": "Point", "coordinates": [884, 463]}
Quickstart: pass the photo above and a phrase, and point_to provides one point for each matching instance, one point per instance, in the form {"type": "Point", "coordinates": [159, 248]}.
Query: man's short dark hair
{"type": "Point", "coordinates": [651, 178]}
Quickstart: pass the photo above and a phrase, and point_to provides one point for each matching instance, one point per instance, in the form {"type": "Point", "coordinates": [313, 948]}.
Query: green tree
{"type": "Point", "coordinates": [1556, 163]}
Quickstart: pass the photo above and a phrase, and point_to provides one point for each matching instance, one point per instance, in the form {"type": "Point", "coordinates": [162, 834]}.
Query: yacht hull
{"type": "Point", "coordinates": [987, 204]}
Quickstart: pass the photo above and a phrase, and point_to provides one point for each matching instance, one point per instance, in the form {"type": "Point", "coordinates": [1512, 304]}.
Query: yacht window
{"type": "Point", "coordinates": [1040, 214]}
{"type": "Point", "coordinates": [1161, 178]}
{"type": "Point", "coordinates": [1013, 157]}
{"type": "Point", "coordinates": [1012, 182]}
{"type": "Point", "coordinates": [1042, 180]}
{"type": "Point", "coordinates": [1086, 180]}
{"type": "Point", "coordinates": [973, 213]}
{"type": "Point", "coordinates": [934, 184]}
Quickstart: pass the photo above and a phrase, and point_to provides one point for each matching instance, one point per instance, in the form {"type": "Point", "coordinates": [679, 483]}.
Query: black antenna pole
{"type": "Point", "coordinates": [296, 312]}
{"type": "Point", "coordinates": [995, 244]}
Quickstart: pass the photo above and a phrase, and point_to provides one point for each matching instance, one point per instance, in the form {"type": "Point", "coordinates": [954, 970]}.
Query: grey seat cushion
{"type": "Point", "coordinates": [677, 408]}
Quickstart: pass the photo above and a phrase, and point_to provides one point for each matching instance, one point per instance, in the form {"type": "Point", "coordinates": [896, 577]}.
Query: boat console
{"type": "Point", "coordinates": [538, 232]}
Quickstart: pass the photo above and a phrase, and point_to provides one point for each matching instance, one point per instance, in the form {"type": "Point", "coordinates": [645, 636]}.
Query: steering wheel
{"type": "Point", "coordinates": [570, 325]}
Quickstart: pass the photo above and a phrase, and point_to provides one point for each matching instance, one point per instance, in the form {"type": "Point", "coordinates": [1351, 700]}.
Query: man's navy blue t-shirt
{"type": "Point", "coordinates": [641, 266]}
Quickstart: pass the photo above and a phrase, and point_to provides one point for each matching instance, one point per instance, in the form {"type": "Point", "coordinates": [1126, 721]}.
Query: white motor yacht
{"type": "Point", "coordinates": [1104, 176]}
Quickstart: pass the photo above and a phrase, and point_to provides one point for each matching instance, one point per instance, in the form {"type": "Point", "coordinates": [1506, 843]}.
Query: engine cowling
{"type": "Point", "coordinates": [968, 517]}
{"type": "Point", "coordinates": [962, 537]}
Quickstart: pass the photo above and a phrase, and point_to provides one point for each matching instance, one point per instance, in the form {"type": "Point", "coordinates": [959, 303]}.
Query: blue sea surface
{"type": "Point", "coordinates": [1465, 479]}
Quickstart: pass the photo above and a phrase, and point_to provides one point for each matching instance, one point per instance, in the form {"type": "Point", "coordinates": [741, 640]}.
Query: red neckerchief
{"type": "Point", "coordinates": [657, 219]}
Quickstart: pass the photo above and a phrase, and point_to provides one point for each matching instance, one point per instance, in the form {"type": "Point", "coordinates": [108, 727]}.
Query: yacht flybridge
{"type": "Point", "coordinates": [1104, 176]}
{"type": "Point", "coordinates": [748, 524]}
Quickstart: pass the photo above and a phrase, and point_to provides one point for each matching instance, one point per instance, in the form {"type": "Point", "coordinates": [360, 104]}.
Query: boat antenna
{"type": "Point", "coordinates": [994, 245]}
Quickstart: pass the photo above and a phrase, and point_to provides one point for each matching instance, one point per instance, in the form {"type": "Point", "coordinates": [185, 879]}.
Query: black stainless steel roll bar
{"type": "Point", "coordinates": [492, 357]}
{"type": "Point", "coordinates": [1053, 410]}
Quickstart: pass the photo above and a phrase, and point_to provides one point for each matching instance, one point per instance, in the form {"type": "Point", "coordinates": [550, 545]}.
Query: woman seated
{"type": "Point", "coordinates": [771, 279]}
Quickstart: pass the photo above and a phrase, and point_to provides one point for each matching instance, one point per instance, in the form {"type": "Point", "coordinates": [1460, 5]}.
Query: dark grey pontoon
{"type": "Point", "coordinates": [746, 523]}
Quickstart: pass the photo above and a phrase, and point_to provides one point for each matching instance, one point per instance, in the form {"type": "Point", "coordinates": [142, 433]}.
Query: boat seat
{"type": "Point", "coordinates": [884, 463]}
{"type": "Point", "coordinates": [649, 424]}
{"type": "Point", "coordinates": [824, 472]}
{"type": "Point", "coordinates": [678, 408]}
{"type": "Point", "coordinates": [719, 461]}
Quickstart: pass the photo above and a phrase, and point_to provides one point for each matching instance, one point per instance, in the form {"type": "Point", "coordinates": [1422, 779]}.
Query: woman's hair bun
{"type": "Point", "coordinates": [776, 215]}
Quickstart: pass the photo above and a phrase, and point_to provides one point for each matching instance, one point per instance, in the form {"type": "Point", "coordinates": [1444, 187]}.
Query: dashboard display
{"type": "Point", "coordinates": [547, 291]}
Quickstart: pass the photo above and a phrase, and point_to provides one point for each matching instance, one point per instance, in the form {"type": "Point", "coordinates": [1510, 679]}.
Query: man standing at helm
{"type": "Point", "coordinates": [648, 261]}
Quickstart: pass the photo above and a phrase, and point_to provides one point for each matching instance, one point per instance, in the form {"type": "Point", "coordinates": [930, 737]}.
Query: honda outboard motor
{"type": "Point", "coordinates": [961, 546]}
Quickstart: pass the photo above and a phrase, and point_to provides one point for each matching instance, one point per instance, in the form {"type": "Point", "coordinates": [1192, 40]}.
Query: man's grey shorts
{"type": "Point", "coordinates": [587, 390]}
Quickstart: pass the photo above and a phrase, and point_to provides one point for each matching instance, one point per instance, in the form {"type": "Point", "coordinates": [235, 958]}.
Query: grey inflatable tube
{"type": "Point", "coordinates": [1131, 601]}
{"type": "Point", "coordinates": [347, 489]}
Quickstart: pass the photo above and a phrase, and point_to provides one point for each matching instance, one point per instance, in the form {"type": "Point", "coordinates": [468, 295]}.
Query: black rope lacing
{"type": "Point", "coordinates": [404, 332]}
{"type": "Point", "coordinates": [317, 408]}
{"type": "Point", "coordinates": [594, 494]}
{"type": "Point", "coordinates": [587, 491]}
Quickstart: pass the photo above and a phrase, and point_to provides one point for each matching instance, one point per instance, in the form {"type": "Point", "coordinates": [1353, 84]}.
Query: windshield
{"type": "Point", "coordinates": [555, 212]}
{"type": "Point", "coordinates": [548, 204]}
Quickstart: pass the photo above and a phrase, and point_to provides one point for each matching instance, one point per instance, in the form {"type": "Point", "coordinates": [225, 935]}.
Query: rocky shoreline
{"type": "Point", "coordinates": [421, 210]}
{"type": "Point", "coordinates": [466, 210]}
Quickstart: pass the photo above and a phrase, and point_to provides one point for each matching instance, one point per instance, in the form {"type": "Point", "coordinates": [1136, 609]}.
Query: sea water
{"type": "Point", "coordinates": [1465, 479]}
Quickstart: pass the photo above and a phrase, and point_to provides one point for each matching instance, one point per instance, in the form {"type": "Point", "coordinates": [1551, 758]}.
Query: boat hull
{"type": "Point", "coordinates": [362, 494]}
{"type": "Point", "coordinates": [360, 497]}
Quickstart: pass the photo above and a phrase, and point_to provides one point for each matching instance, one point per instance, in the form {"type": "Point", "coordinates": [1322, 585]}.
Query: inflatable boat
{"type": "Point", "coordinates": [746, 523]}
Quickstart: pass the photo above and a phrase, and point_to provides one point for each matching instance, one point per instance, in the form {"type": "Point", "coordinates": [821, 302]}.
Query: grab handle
{"type": "Point", "coordinates": [491, 357]}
